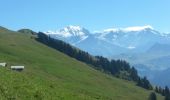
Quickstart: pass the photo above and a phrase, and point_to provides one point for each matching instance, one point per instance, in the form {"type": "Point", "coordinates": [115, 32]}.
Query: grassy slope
{"type": "Point", "coordinates": [51, 75]}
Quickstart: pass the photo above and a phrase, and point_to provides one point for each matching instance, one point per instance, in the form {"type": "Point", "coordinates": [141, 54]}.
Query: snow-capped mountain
{"type": "Point", "coordinates": [139, 38]}
{"type": "Point", "coordinates": [70, 34]}
{"type": "Point", "coordinates": [111, 41]}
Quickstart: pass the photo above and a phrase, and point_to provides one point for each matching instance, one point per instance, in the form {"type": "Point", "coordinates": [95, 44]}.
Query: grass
{"type": "Point", "coordinates": [51, 75]}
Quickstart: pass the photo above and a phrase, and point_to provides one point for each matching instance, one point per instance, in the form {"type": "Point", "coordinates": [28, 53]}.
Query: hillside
{"type": "Point", "coordinates": [51, 75]}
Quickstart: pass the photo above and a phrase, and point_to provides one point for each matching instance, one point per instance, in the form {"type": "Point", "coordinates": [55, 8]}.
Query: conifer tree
{"type": "Point", "coordinates": [152, 96]}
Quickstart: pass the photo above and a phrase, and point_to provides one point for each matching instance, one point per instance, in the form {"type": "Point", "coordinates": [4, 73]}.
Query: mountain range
{"type": "Point", "coordinates": [144, 47]}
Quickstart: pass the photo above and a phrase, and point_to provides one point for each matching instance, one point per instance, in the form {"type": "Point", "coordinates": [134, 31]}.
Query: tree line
{"type": "Point", "coordinates": [163, 91]}
{"type": "Point", "coordinates": [118, 68]}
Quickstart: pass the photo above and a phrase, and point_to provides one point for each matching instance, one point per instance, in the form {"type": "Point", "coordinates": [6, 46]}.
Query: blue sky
{"type": "Point", "coordinates": [43, 15]}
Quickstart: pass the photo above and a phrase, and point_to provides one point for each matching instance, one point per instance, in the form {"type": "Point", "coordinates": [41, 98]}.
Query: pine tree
{"type": "Point", "coordinates": [143, 82]}
{"type": "Point", "coordinates": [147, 84]}
{"type": "Point", "coordinates": [152, 96]}
{"type": "Point", "coordinates": [134, 74]}
{"type": "Point", "coordinates": [160, 90]}
{"type": "Point", "coordinates": [167, 97]}
{"type": "Point", "coordinates": [167, 93]}
{"type": "Point", "coordinates": [156, 89]}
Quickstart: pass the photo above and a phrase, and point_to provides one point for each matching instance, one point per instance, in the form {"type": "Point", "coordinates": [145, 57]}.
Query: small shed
{"type": "Point", "coordinates": [17, 68]}
{"type": "Point", "coordinates": [3, 64]}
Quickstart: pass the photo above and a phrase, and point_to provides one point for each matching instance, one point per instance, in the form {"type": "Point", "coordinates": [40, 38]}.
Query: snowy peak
{"type": "Point", "coordinates": [115, 33]}
{"type": "Point", "coordinates": [129, 29]}
{"type": "Point", "coordinates": [73, 28]}
{"type": "Point", "coordinates": [70, 31]}
{"type": "Point", "coordinates": [70, 34]}
{"type": "Point", "coordinates": [75, 31]}
{"type": "Point", "coordinates": [138, 28]}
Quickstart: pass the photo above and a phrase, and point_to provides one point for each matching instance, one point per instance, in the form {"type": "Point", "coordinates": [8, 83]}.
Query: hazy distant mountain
{"type": "Point", "coordinates": [160, 48]}
{"type": "Point", "coordinates": [161, 78]}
